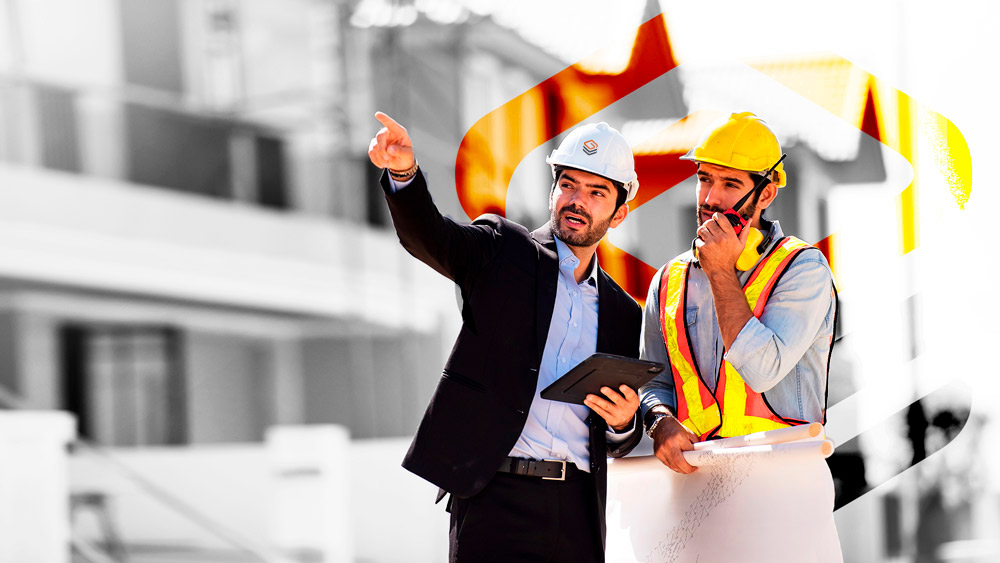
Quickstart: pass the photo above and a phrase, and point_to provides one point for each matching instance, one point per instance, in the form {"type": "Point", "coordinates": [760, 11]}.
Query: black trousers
{"type": "Point", "coordinates": [527, 519]}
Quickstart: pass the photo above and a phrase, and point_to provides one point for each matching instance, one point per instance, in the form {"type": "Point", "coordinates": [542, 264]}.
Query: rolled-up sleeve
{"type": "Point", "coordinates": [660, 390]}
{"type": "Point", "coordinates": [767, 349]}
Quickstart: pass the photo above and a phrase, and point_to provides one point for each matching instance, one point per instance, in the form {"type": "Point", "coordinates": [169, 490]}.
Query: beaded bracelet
{"type": "Point", "coordinates": [403, 175]}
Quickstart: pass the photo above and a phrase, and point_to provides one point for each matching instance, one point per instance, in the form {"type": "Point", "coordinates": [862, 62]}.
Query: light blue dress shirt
{"type": "Point", "coordinates": [556, 430]}
{"type": "Point", "coordinates": [783, 354]}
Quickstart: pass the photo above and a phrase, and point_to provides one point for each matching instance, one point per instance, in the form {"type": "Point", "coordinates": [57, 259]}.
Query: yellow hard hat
{"type": "Point", "coordinates": [744, 142]}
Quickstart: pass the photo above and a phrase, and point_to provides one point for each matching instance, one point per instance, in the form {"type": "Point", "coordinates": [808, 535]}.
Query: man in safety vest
{"type": "Point", "coordinates": [745, 320]}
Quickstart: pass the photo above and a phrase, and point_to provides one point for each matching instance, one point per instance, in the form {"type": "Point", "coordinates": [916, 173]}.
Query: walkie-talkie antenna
{"type": "Point", "coordinates": [738, 221]}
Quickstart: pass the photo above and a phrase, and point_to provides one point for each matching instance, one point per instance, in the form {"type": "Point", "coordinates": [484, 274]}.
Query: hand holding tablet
{"type": "Point", "coordinates": [601, 370]}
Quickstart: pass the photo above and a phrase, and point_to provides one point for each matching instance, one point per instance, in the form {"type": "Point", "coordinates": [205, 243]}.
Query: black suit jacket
{"type": "Point", "coordinates": [507, 277]}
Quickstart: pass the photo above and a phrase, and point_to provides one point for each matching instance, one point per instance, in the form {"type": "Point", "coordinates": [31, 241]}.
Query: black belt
{"type": "Point", "coordinates": [550, 469]}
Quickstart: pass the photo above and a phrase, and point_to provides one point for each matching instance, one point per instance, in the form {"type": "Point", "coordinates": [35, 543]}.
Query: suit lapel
{"type": "Point", "coordinates": [548, 271]}
{"type": "Point", "coordinates": [545, 294]}
{"type": "Point", "coordinates": [607, 306]}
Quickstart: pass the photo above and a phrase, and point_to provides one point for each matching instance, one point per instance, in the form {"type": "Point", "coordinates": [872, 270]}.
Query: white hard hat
{"type": "Point", "coordinates": [599, 149]}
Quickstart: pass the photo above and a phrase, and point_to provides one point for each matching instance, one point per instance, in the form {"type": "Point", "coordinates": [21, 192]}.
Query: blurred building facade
{"type": "Point", "coordinates": [197, 249]}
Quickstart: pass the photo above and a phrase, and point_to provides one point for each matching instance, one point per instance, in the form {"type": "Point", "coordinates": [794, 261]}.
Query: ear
{"type": "Point", "coordinates": [619, 215]}
{"type": "Point", "coordinates": [767, 195]}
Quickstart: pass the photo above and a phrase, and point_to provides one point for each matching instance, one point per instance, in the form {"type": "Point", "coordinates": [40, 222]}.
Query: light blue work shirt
{"type": "Point", "coordinates": [557, 430]}
{"type": "Point", "coordinates": [783, 354]}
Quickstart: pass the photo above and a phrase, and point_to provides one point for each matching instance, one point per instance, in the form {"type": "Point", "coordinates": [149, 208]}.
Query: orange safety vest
{"type": "Point", "coordinates": [733, 409]}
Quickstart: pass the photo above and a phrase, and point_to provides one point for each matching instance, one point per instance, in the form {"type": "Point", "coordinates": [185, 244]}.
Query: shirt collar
{"type": "Point", "coordinates": [774, 232]}
{"type": "Point", "coordinates": [569, 260]}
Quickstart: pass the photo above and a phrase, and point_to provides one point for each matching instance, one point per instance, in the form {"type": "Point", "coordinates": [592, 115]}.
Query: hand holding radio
{"type": "Point", "coordinates": [718, 245]}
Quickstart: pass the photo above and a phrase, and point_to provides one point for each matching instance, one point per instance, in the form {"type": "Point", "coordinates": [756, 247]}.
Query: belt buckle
{"type": "Point", "coordinates": [562, 476]}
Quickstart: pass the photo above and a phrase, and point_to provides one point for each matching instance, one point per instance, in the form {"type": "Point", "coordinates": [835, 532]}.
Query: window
{"type": "Point", "coordinates": [174, 150]}
{"type": "Point", "coordinates": [211, 157]}
{"type": "Point", "coordinates": [124, 384]}
{"type": "Point", "coordinates": [270, 168]}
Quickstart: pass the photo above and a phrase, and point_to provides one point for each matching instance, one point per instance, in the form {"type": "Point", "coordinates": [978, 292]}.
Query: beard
{"type": "Point", "coordinates": [588, 237]}
{"type": "Point", "coordinates": [749, 209]}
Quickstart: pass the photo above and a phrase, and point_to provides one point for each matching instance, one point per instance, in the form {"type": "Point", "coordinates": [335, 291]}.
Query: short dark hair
{"type": "Point", "coordinates": [619, 186]}
{"type": "Point", "coordinates": [758, 176]}
{"type": "Point", "coordinates": [754, 178]}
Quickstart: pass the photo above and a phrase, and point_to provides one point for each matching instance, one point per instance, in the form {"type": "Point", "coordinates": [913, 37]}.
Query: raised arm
{"type": "Point", "coordinates": [455, 250]}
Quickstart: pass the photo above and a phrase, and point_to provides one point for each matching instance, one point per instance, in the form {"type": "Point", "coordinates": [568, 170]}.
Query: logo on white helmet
{"type": "Point", "coordinates": [590, 146]}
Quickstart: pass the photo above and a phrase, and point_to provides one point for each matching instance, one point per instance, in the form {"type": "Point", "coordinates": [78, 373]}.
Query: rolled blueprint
{"type": "Point", "coordinates": [790, 434]}
{"type": "Point", "coordinates": [822, 448]}
{"type": "Point", "coordinates": [817, 449]}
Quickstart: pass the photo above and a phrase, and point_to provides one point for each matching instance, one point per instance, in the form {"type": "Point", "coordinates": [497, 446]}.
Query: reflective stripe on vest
{"type": "Point", "coordinates": [743, 411]}
{"type": "Point", "coordinates": [698, 410]}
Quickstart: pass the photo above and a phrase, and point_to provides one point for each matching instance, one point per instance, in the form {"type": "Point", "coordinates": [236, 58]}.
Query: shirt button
{"type": "Point", "coordinates": [574, 323]}
{"type": "Point", "coordinates": [563, 360]}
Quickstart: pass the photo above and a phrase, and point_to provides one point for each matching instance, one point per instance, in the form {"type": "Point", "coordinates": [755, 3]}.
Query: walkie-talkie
{"type": "Point", "coordinates": [737, 220]}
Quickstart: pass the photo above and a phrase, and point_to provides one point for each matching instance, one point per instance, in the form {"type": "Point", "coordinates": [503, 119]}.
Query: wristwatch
{"type": "Point", "coordinates": [657, 417]}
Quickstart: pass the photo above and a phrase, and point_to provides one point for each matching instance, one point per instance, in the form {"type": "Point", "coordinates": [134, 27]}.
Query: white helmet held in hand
{"type": "Point", "coordinates": [599, 149]}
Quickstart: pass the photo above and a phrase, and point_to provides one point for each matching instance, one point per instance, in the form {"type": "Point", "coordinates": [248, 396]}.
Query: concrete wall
{"type": "Point", "coordinates": [229, 387]}
{"type": "Point", "coordinates": [34, 512]}
{"type": "Point", "coordinates": [375, 384]}
{"type": "Point", "coordinates": [164, 496]}
{"type": "Point", "coordinates": [275, 495]}
{"type": "Point", "coordinates": [29, 358]}
{"type": "Point", "coordinates": [97, 234]}
{"type": "Point", "coordinates": [395, 518]}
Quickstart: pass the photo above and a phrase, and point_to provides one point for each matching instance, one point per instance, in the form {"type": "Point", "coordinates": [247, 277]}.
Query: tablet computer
{"type": "Point", "coordinates": [601, 370]}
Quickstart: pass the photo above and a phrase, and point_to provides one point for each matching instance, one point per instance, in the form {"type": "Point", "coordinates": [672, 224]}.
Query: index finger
{"type": "Point", "coordinates": [389, 123]}
{"type": "Point", "coordinates": [598, 400]}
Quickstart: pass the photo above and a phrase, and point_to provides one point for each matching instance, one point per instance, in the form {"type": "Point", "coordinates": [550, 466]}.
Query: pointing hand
{"type": "Point", "coordinates": [391, 147]}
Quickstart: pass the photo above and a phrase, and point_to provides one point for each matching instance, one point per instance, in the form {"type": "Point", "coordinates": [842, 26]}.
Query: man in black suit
{"type": "Point", "coordinates": [527, 476]}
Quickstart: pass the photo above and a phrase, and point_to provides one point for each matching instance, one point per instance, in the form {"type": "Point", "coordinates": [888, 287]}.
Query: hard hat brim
{"type": "Point", "coordinates": [631, 186]}
{"type": "Point", "coordinates": [780, 169]}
